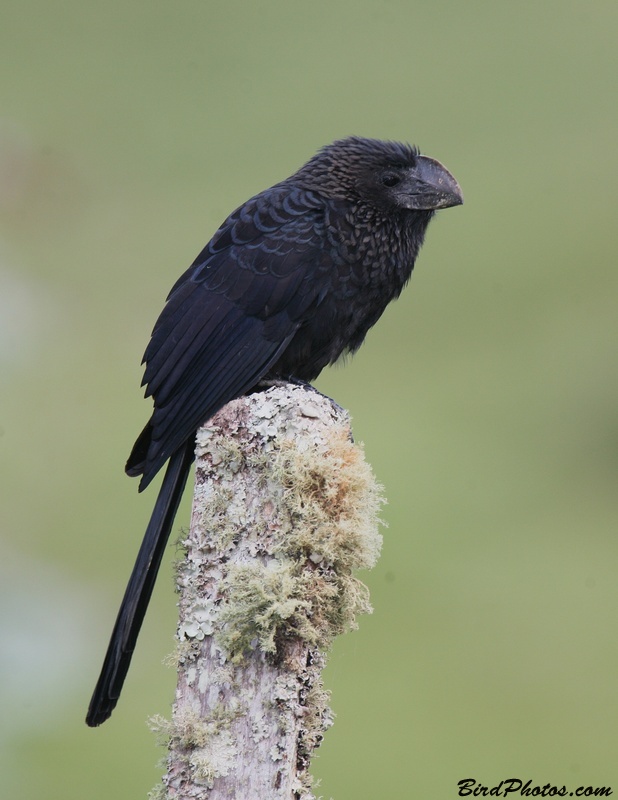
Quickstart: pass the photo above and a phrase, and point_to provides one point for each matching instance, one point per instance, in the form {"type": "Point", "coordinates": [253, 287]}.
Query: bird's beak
{"type": "Point", "coordinates": [430, 186]}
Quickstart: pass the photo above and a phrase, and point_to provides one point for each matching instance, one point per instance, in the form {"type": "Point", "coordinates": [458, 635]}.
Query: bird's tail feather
{"type": "Point", "coordinates": [139, 588]}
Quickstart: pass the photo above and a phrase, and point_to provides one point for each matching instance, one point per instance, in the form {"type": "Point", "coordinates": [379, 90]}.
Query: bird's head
{"type": "Point", "coordinates": [388, 175]}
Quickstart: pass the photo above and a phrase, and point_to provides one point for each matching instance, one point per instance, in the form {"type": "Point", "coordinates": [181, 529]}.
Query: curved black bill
{"type": "Point", "coordinates": [430, 186]}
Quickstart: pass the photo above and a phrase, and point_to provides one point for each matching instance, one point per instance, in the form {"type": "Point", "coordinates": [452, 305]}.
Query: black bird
{"type": "Point", "coordinates": [292, 279]}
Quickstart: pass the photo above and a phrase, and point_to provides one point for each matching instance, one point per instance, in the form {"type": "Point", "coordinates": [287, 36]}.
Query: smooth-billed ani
{"type": "Point", "coordinates": [292, 279]}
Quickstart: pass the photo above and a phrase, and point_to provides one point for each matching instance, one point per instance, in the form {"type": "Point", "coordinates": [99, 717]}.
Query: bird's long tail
{"type": "Point", "coordinates": [139, 589]}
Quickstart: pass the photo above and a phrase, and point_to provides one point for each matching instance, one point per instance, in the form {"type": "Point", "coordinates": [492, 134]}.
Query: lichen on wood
{"type": "Point", "coordinates": [285, 509]}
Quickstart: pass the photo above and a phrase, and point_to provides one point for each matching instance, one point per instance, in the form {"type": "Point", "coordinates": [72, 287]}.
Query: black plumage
{"type": "Point", "coordinates": [293, 279]}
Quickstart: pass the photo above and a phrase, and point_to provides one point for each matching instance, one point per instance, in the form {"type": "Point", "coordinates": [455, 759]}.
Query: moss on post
{"type": "Point", "coordinates": [285, 509]}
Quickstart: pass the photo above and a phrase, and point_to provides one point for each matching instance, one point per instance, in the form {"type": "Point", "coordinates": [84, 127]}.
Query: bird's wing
{"type": "Point", "coordinates": [231, 315]}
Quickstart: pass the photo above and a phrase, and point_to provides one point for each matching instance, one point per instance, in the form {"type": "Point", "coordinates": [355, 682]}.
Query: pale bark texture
{"type": "Point", "coordinates": [285, 508]}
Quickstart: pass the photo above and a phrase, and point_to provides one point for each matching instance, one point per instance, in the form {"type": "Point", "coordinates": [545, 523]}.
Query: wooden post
{"type": "Point", "coordinates": [285, 508]}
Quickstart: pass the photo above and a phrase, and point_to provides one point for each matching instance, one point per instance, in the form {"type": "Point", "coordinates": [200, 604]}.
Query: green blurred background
{"type": "Point", "coordinates": [486, 397]}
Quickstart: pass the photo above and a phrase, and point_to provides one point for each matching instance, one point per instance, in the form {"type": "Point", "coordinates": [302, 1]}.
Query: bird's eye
{"type": "Point", "coordinates": [390, 179]}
